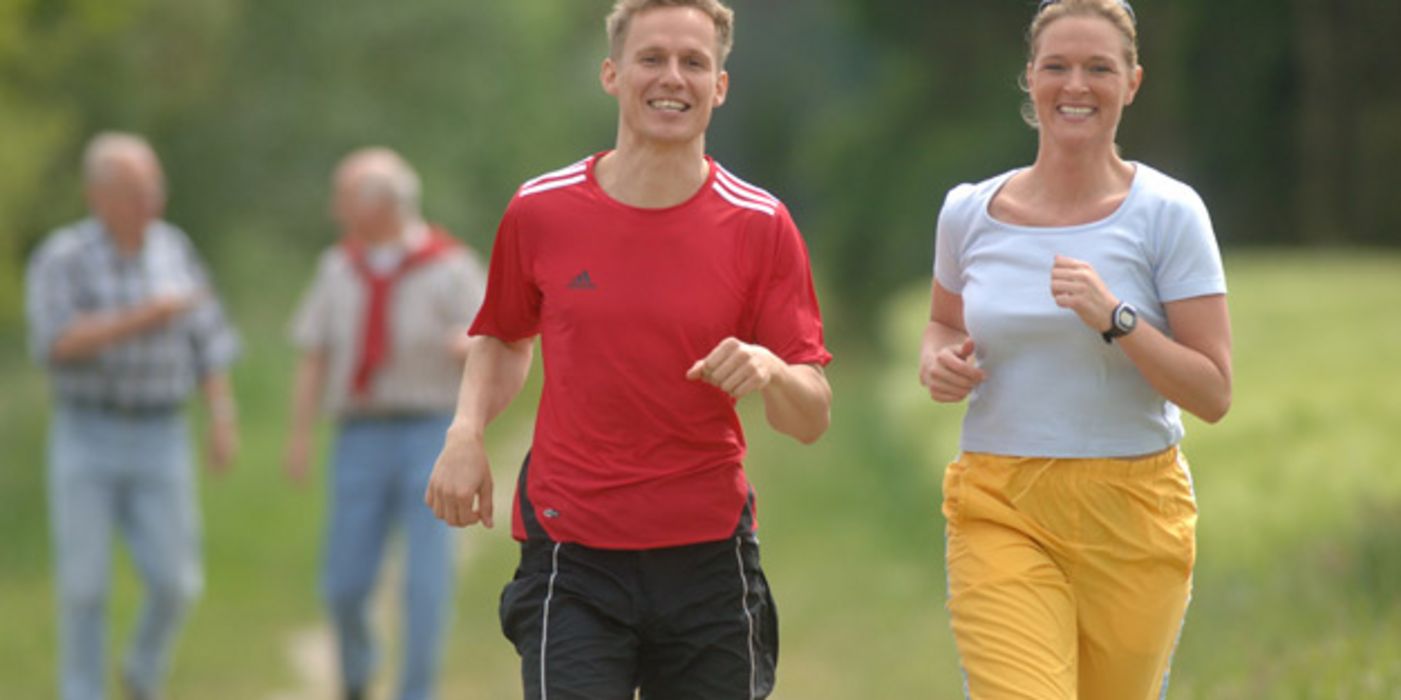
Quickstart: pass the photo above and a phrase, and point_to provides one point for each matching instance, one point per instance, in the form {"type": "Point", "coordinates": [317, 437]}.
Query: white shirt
{"type": "Point", "coordinates": [1054, 388]}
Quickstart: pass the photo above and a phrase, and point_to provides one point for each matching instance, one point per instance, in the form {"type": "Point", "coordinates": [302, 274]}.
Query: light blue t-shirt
{"type": "Point", "coordinates": [1054, 388]}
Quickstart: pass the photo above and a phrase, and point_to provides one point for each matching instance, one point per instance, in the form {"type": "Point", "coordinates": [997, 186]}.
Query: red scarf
{"type": "Point", "coordinates": [374, 343]}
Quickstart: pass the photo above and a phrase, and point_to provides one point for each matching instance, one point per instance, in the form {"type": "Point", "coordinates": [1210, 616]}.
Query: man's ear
{"type": "Point", "coordinates": [608, 76]}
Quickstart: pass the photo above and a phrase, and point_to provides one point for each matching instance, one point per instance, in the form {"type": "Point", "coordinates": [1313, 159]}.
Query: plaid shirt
{"type": "Point", "coordinates": [79, 271]}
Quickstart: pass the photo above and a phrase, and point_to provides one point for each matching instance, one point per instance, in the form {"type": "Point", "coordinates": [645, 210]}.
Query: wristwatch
{"type": "Point", "coordinates": [1121, 322]}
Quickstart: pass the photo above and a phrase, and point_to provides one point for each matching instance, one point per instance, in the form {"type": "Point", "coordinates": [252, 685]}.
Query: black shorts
{"type": "Point", "coordinates": [680, 623]}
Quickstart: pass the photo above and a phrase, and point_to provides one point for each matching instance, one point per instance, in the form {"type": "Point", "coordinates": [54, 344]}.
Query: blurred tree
{"type": "Point", "coordinates": [925, 97]}
{"type": "Point", "coordinates": [40, 44]}
{"type": "Point", "coordinates": [1348, 137]}
{"type": "Point", "coordinates": [476, 95]}
{"type": "Point", "coordinates": [1239, 112]}
{"type": "Point", "coordinates": [250, 105]}
{"type": "Point", "coordinates": [1287, 118]}
{"type": "Point", "coordinates": [859, 113]}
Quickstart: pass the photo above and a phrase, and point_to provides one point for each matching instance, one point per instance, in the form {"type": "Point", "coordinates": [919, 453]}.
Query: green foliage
{"type": "Point", "coordinates": [250, 105]}
{"type": "Point", "coordinates": [1283, 115]}
{"type": "Point", "coordinates": [860, 114]}
{"type": "Point", "coordinates": [436, 80]}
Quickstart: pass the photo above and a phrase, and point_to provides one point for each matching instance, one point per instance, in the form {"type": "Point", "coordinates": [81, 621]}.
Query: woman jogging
{"type": "Point", "coordinates": [1077, 304]}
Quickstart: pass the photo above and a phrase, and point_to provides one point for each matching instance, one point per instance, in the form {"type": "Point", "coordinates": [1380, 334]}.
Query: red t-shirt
{"type": "Point", "coordinates": [628, 453]}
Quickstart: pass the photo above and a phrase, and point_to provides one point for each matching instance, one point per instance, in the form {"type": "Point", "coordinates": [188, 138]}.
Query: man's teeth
{"type": "Point", "coordinates": [672, 105]}
{"type": "Point", "coordinates": [1077, 111]}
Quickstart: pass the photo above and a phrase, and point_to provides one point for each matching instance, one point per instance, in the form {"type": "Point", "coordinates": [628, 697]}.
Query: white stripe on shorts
{"type": "Point", "coordinates": [545, 620]}
{"type": "Point", "coordinates": [744, 605]}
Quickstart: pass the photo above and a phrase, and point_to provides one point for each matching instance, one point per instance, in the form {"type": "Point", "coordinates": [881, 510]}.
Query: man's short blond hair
{"type": "Point", "coordinates": [624, 10]}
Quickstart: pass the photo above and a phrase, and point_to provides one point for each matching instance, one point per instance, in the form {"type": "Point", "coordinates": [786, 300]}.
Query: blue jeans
{"type": "Point", "coordinates": [380, 469]}
{"type": "Point", "coordinates": [111, 473]}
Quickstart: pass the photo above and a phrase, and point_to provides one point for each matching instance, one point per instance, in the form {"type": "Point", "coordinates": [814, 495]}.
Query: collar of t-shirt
{"type": "Point", "coordinates": [384, 258]}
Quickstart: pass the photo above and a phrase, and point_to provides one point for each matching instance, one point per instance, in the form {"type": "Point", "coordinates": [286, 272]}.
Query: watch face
{"type": "Point", "coordinates": [1126, 318]}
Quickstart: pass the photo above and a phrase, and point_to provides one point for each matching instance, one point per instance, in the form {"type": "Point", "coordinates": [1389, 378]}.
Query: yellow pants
{"type": "Point", "coordinates": [1068, 578]}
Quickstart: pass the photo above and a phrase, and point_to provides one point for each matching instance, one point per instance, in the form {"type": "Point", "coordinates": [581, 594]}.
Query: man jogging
{"type": "Point", "coordinates": [663, 289]}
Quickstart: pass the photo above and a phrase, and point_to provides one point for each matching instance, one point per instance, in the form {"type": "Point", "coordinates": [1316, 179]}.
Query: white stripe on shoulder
{"type": "Point", "coordinates": [566, 171]}
{"type": "Point", "coordinates": [741, 194]}
{"type": "Point", "coordinates": [738, 184]}
{"type": "Point", "coordinates": [548, 185]}
{"type": "Point", "coordinates": [741, 201]}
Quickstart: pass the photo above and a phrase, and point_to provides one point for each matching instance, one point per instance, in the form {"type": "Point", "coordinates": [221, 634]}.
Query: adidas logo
{"type": "Point", "coordinates": [582, 281]}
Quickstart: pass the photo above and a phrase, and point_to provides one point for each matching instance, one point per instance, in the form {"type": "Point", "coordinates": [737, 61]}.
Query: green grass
{"type": "Point", "coordinates": [1300, 533]}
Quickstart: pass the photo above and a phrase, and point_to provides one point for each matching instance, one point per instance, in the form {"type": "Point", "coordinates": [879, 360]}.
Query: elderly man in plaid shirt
{"type": "Point", "coordinates": [122, 316]}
